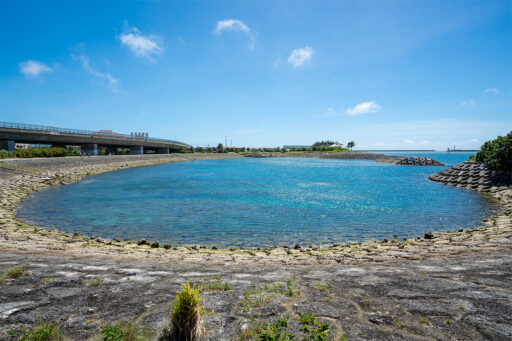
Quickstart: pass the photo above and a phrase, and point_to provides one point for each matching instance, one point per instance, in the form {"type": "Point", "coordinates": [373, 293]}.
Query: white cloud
{"type": "Point", "coordinates": [469, 103]}
{"type": "Point", "coordinates": [409, 141]}
{"type": "Point", "coordinates": [33, 68]}
{"type": "Point", "coordinates": [493, 91]}
{"type": "Point", "coordinates": [300, 56]}
{"type": "Point", "coordinates": [235, 25]}
{"type": "Point", "coordinates": [112, 82]}
{"type": "Point", "coordinates": [141, 45]}
{"type": "Point", "coordinates": [364, 108]}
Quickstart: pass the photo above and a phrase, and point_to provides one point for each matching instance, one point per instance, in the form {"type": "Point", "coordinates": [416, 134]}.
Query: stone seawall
{"type": "Point", "coordinates": [397, 160]}
{"type": "Point", "coordinates": [355, 156]}
{"type": "Point", "coordinates": [472, 175]}
{"type": "Point", "coordinates": [411, 161]}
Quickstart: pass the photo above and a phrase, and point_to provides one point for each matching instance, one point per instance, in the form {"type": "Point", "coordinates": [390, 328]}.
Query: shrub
{"type": "Point", "coordinates": [497, 154]}
{"type": "Point", "coordinates": [185, 321]}
{"type": "Point", "coordinates": [35, 152]}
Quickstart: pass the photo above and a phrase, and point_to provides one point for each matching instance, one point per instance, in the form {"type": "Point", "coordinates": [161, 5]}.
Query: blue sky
{"type": "Point", "coordinates": [386, 74]}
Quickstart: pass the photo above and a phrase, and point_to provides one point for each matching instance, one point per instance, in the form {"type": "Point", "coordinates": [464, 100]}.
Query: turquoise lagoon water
{"type": "Point", "coordinates": [260, 202]}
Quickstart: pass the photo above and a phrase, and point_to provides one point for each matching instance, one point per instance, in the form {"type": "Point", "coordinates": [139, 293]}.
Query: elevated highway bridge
{"type": "Point", "coordinates": [89, 141]}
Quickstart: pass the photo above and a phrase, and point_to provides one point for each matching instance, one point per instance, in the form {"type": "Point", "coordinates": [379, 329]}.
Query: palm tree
{"type": "Point", "coordinates": [351, 145]}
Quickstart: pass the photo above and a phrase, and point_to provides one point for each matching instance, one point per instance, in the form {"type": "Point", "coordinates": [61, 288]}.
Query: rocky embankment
{"type": "Point", "coordinates": [472, 175]}
{"type": "Point", "coordinates": [411, 161]}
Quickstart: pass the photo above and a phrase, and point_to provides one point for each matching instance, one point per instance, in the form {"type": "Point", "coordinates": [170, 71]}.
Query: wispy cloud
{"type": "Point", "coordinates": [364, 108]}
{"type": "Point", "coordinates": [33, 68]}
{"type": "Point", "coordinates": [329, 113]}
{"type": "Point", "coordinates": [111, 82]}
{"type": "Point", "coordinates": [493, 91]}
{"type": "Point", "coordinates": [300, 56]}
{"type": "Point", "coordinates": [235, 25]}
{"type": "Point", "coordinates": [145, 46]}
{"type": "Point", "coordinates": [469, 103]}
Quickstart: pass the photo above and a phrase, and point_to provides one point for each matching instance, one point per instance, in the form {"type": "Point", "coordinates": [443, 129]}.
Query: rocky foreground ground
{"type": "Point", "coordinates": [456, 285]}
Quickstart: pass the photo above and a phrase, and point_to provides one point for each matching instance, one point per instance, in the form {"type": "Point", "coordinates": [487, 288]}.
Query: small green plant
{"type": "Point", "coordinates": [324, 287]}
{"type": "Point", "coordinates": [44, 331]}
{"type": "Point", "coordinates": [321, 333]}
{"type": "Point", "coordinates": [16, 272]}
{"type": "Point", "coordinates": [423, 320]}
{"type": "Point", "coordinates": [46, 280]}
{"type": "Point", "coordinates": [113, 333]}
{"type": "Point", "coordinates": [290, 290]}
{"type": "Point", "coordinates": [448, 321]}
{"type": "Point", "coordinates": [307, 319]}
{"type": "Point", "coordinates": [2, 280]}
{"type": "Point", "coordinates": [276, 332]}
{"type": "Point", "coordinates": [94, 283]}
{"type": "Point", "coordinates": [126, 332]}
{"type": "Point", "coordinates": [399, 324]}
{"type": "Point", "coordinates": [185, 321]}
{"type": "Point", "coordinates": [252, 299]}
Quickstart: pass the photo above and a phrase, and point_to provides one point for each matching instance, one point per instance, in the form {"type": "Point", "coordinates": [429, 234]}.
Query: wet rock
{"type": "Point", "coordinates": [429, 235]}
{"type": "Point", "coordinates": [167, 246]}
{"type": "Point", "coordinates": [155, 245]}
{"type": "Point", "coordinates": [143, 242]}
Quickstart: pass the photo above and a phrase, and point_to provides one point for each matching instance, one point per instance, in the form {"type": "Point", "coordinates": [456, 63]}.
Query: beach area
{"type": "Point", "coordinates": [449, 285]}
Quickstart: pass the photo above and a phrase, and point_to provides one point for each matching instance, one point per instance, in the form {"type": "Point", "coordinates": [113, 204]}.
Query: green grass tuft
{"type": "Point", "coordinates": [16, 272]}
{"type": "Point", "coordinates": [186, 321]}
{"type": "Point", "coordinates": [127, 332]}
{"type": "Point", "coordinates": [94, 283]}
{"type": "Point", "coordinates": [290, 290]}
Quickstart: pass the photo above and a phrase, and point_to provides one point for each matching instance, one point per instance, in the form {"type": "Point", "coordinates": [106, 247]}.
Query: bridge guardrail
{"type": "Point", "coordinates": [49, 129]}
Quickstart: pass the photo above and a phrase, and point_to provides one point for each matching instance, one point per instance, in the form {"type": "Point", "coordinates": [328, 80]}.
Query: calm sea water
{"type": "Point", "coordinates": [260, 202]}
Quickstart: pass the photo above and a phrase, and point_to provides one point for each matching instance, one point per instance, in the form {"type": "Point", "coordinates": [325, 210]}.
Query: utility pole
{"type": "Point", "coordinates": [226, 140]}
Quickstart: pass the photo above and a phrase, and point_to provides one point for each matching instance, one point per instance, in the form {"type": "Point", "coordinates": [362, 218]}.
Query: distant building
{"type": "Point", "coordinates": [109, 132]}
{"type": "Point", "coordinates": [336, 145]}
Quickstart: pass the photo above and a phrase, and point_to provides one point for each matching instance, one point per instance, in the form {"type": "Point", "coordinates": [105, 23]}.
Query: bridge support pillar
{"type": "Point", "coordinates": [162, 151]}
{"type": "Point", "coordinates": [8, 145]}
{"type": "Point", "coordinates": [91, 149]}
{"type": "Point", "coordinates": [138, 150]}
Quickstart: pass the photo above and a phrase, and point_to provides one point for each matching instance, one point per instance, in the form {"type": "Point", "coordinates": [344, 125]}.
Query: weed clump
{"type": "Point", "coordinates": [94, 283]}
{"type": "Point", "coordinates": [16, 272]}
{"type": "Point", "coordinates": [127, 332]}
{"type": "Point", "coordinates": [185, 324]}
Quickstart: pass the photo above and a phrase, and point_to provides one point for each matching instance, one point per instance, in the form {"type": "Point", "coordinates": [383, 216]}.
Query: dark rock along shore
{"type": "Point", "coordinates": [461, 295]}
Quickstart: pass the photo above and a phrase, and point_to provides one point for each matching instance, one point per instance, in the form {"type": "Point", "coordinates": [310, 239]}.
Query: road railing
{"type": "Point", "coordinates": [49, 129]}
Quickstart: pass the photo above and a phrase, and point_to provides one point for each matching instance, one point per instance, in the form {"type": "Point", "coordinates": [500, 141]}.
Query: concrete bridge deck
{"type": "Point", "coordinates": [89, 141]}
